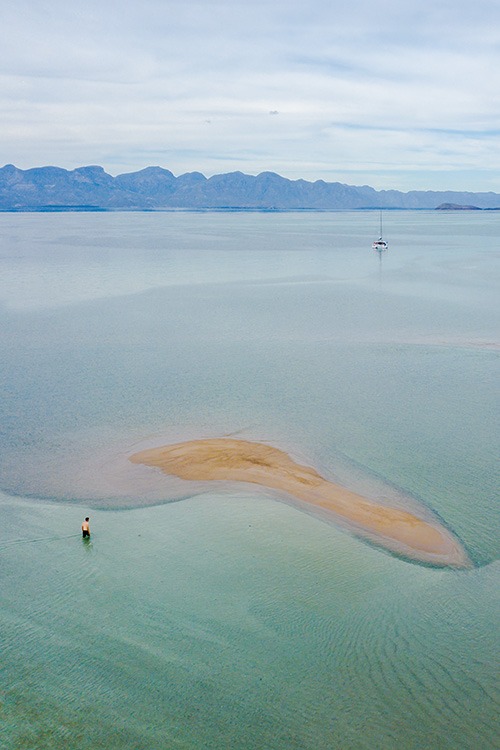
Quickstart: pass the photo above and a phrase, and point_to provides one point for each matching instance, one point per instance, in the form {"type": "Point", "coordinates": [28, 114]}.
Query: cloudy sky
{"type": "Point", "coordinates": [398, 94]}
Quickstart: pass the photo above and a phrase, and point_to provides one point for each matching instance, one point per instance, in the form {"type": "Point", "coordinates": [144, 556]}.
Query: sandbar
{"type": "Point", "coordinates": [227, 459]}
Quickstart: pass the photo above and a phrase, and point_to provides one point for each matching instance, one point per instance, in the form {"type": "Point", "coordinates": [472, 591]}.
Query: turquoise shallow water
{"type": "Point", "coordinates": [228, 619]}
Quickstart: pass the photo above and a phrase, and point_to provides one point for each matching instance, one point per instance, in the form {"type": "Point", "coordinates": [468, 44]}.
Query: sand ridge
{"type": "Point", "coordinates": [227, 459]}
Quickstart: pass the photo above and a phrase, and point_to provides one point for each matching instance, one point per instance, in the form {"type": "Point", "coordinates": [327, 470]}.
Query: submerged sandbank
{"type": "Point", "coordinates": [243, 461]}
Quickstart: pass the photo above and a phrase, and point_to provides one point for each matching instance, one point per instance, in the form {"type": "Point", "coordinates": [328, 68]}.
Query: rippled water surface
{"type": "Point", "coordinates": [229, 619]}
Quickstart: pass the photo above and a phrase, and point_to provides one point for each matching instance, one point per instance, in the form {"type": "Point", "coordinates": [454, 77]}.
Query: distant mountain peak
{"type": "Point", "coordinates": [91, 169]}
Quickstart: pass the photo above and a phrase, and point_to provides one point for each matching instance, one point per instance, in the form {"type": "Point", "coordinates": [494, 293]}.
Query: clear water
{"type": "Point", "coordinates": [228, 619]}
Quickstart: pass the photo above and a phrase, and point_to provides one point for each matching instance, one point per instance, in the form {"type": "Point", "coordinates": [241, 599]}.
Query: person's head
{"type": "Point", "coordinates": [87, 518]}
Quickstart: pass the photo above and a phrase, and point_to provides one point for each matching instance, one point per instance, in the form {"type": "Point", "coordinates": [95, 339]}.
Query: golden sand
{"type": "Point", "coordinates": [243, 461]}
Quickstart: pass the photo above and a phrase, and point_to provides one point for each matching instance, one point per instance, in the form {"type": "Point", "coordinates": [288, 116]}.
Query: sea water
{"type": "Point", "coordinates": [230, 619]}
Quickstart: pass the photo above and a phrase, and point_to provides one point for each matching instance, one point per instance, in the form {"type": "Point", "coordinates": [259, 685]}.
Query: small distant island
{"type": "Point", "coordinates": [456, 207]}
{"type": "Point", "coordinates": [157, 189]}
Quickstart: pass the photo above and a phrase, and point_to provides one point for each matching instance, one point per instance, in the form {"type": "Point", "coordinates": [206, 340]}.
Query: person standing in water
{"type": "Point", "coordinates": [86, 529]}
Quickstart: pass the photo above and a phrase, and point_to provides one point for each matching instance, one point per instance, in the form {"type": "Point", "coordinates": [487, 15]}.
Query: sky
{"type": "Point", "coordinates": [401, 94]}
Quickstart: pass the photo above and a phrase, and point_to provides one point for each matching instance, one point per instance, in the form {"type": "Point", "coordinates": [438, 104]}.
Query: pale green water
{"type": "Point", "coordinates": [230, 620]}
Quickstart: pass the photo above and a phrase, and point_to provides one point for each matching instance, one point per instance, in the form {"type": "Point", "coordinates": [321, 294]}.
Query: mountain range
{"type": "Point", "coordinates": [155, 188]}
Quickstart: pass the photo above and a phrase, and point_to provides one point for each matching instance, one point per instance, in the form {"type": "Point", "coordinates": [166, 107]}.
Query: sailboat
{"type": "Point", "coordinates": [380, 245]}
